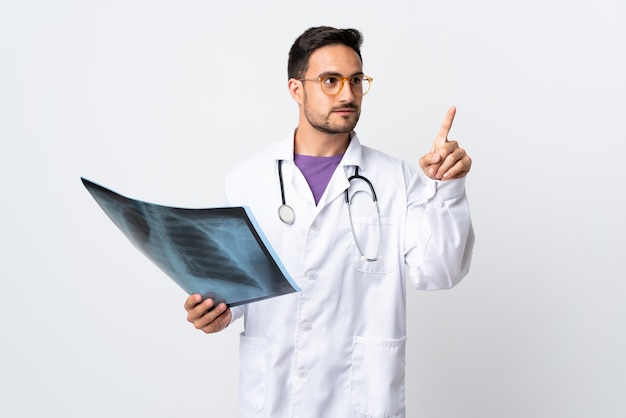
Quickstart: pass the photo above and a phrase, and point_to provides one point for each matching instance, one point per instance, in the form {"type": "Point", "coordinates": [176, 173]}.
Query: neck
{"type": "Point", "coordinates": [320, 144]}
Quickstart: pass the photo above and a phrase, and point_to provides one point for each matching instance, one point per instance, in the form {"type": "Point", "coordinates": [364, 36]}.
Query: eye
{"type": "Point", "coordinates": [330, 80]}
{"type": "Point", "coordinates": [357, 80]}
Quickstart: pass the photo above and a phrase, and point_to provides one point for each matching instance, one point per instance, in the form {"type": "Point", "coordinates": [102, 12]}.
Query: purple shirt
{"type": "Point", "coordinates": [317, 171]}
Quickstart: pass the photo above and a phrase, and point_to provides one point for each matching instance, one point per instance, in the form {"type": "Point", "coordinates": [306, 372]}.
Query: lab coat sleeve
{"type": "Point", "coordinates": [236, 312]}
{"type": "Point", "coordinates": [439, 236]}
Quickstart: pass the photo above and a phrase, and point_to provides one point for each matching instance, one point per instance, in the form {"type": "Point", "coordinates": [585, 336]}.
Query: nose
{"type": "Point", "coordinates": [346, 95]}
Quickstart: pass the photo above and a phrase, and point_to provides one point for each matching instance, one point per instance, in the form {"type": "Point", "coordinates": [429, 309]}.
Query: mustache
{"type": "Point", "coordinates": [348, 106]}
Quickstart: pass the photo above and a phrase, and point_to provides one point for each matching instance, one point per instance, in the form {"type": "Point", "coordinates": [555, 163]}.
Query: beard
{"type": "Point", "coordinates": [332, 123]}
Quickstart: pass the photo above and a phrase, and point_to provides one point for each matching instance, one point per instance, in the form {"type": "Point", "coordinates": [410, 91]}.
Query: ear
{"type": "Point", "coordinates": [295, 89]}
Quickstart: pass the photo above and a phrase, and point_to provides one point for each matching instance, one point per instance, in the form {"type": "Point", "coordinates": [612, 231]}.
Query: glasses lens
{"type": "Point", "coordinates": [331, 84]}
{"type": "Point", "coordinates": [360, 85]}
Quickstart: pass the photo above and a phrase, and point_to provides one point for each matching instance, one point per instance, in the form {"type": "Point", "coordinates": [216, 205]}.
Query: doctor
{"type": "Point", "coordinates": [354, 224]}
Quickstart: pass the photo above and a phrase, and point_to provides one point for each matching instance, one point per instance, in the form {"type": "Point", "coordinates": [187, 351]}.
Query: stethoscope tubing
{"type": "Point", "coordinates": [356, 175]}
{"type": "Point", "coordinates": [288, 216]}
{"type": "Point", "coordinates": [285, 212]}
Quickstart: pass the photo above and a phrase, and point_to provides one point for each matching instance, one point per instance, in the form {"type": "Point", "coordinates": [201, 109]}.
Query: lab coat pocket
{"type": "Point", "coordinates": [374, 237]}
{"type": "Point", "coordinates": [253, 362]}
{"type": "Point", "coordinates": [377, 375]}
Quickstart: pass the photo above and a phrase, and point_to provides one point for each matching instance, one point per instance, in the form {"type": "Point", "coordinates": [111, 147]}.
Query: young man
{"type": "Point", "coordinates": [359, 223]}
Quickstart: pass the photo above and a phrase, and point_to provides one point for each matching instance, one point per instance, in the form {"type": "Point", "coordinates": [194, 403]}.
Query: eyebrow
{"type": "Point", "coordinates": [333, 73]}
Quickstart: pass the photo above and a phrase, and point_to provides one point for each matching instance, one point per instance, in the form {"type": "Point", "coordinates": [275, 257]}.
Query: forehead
{"type": "Point", "coordinates": [338, 59]}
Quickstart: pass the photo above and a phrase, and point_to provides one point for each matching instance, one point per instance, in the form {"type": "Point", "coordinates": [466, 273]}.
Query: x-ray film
{"type": "Point", "coordinates": [219, 253]}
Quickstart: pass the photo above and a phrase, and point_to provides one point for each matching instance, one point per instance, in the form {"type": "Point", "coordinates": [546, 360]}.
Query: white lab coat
{"type": "Point", "coordinates": [337, 348]}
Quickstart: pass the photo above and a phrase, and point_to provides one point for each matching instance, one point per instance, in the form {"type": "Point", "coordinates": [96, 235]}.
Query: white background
{"type": "Point", "coordinates": [157, 99]}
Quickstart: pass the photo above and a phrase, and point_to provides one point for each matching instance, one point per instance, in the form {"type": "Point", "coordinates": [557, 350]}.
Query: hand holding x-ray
{"type": "Point", "coordinates": [205, 315]}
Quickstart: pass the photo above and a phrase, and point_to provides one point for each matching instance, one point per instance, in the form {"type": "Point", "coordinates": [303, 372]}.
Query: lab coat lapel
{"type": "Point", "coordinates": [295, 183]}
{"type": "Point", "coordinates": [339, 181]}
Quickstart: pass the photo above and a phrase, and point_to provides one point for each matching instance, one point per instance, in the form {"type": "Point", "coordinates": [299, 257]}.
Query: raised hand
{"type": "Point", "coordinates": [446, 160]}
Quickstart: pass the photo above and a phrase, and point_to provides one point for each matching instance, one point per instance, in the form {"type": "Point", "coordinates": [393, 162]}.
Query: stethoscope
{"type": "Point", "coordinates": [288, 216]}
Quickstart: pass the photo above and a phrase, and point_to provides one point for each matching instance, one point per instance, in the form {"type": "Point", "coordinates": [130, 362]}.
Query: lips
{"type": "Point", "coordinates": [345, 110]}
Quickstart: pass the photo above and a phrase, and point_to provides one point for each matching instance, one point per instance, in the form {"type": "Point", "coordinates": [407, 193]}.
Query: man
{"type": "Point", "coordinates": [337, 348]}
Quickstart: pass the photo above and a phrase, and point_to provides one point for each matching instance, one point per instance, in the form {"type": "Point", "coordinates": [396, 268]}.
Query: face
{"type": "Point", "coordinates": [331, 114]}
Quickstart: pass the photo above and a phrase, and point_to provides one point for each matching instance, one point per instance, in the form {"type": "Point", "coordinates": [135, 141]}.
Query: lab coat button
{"type": "Point", "coordinates": [301, 374]}
{"type": "Point", "coordinates": [315, 227]}
{"type": "Point", "coordinates": [306, 327]}
{"type": "Point", "coordinates": [311, 275]}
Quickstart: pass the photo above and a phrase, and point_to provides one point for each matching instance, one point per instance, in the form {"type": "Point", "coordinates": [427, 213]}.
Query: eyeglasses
{"type": "Point", "coordinates": [333, 84]}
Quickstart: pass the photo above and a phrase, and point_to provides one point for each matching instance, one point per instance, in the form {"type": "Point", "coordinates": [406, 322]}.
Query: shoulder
{"type": "Point", "coordinates": [387, 172]}
{"type": "Point", "coordinates": [250, 174]}
{"type": "Point", "coordinates": [383, 161]}
{"type": "Point", "coordinates": [252, 163]}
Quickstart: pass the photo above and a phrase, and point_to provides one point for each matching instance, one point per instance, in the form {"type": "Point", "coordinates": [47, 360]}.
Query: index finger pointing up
{"type": "Point", "coordinates": [446, 125]}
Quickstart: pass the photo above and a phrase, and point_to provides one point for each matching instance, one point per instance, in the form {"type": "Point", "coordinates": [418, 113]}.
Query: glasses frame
{"type": "Point", "coordinates": [349, 79]}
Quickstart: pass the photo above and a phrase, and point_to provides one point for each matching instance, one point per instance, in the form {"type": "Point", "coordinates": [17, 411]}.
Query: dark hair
{"type": "Point", "coordinates": [317, 37]}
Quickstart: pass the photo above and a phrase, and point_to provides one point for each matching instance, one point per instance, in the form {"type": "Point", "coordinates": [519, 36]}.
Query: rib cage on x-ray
{"type": "Point", "coordinates": [217, 252]}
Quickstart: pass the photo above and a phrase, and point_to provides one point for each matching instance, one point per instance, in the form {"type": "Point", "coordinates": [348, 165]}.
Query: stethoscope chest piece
{"type": "Point", "coordinates": [286, 214]}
